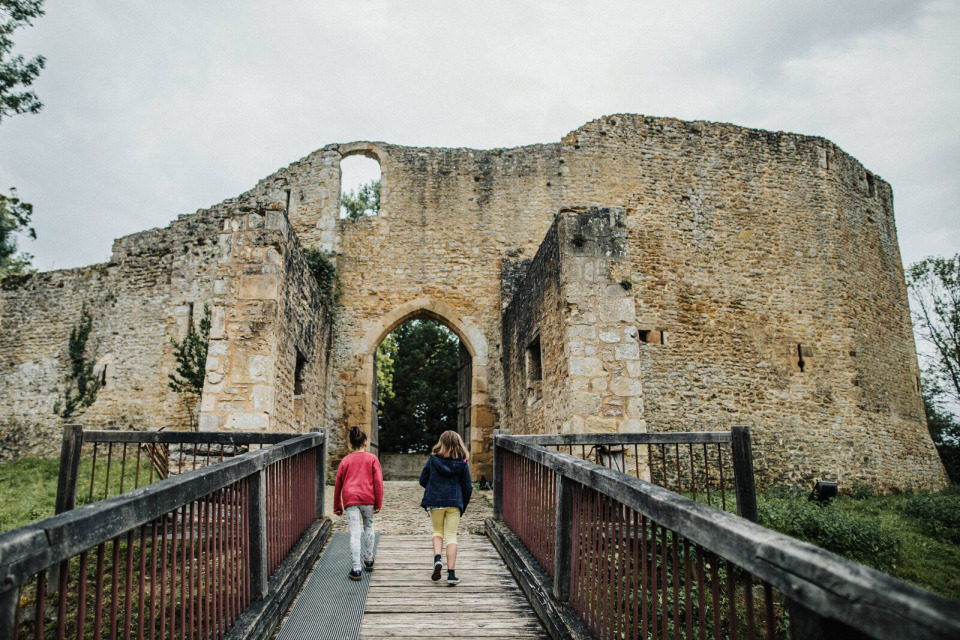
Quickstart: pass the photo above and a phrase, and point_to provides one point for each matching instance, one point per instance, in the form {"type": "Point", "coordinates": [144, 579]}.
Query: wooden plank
{"type": "Point", "coordinates": [70, 449]}
{"type": "Point", "coordinates": [403, 602]}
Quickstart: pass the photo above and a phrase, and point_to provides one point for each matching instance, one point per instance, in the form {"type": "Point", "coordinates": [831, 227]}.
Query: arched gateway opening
{"type": "Point", "coordinates": [473, 415]}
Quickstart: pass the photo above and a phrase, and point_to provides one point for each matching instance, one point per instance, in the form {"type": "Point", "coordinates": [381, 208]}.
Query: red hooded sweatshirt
{"type": "Point", "coordinates": [359, 481]}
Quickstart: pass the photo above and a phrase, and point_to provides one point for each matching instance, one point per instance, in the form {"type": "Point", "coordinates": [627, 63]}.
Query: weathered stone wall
{"type": "Point", "coordinates": [571, 361]}
{"type": "Point", "coordinates": [749, 248]}
{"type": "Point", "coordinates": [138, 301]}
{"type": "Point", "coordinates": [765, 279]}
{"type": "Point", "coordinates": [268, 314]}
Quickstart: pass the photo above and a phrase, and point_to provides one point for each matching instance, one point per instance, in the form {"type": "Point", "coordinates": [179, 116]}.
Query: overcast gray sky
{"type": "Point", "coordinates": [153, 109]}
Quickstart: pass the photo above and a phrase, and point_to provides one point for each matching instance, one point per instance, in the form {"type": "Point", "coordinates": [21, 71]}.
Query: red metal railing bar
{"type": "Point", "coordinates": [39, 618]}
{"type": "Point", "coordinates": [644, 575]}
{"type": "Point", "coordinates": [106, 483]}
{"type": "Point", "coordinates": [153, 577]}
{"type": "Point", "coordinates": [686, 587]}
{"type": "Point", "coordinates": [768, 606]}
{"type": "Point", "coordinates": [128, 583]}
{"type": "Point", "coordinates": [706, 473]}
{"type": "Point", "coordinates": [748, 597]}
{"type": "Point", "coordinates": [82, 597]}
{"type": "Point", "coordinates": [123, 466]}
{"type": "Point", "coordinates": [62, 600]}
{"type": "Point", "coordinates": [732, 600]}
{"type": "Point", "coordinates": [115, 588]}
{"type": "Point", "coordinates": [701, 595]}
{"type": "Point", "coordinates": [93, 470]}
{"type": "Point", "coordinates": [136, 478]}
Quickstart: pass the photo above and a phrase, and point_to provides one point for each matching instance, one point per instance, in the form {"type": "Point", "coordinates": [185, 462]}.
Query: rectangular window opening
{"type": "Point", "coordinates": [298, 374]}
{"type": "Point", "coordinates": [652, 336]}
{"type": "Point", "coordinates": [534, 363]}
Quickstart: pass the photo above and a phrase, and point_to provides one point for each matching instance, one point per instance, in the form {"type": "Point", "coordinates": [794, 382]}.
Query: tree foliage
{"type": "Point", "coordinates": [386, 365]}
{"type": "Point", "coordinates": [16, 76]}
{"type": "Point", "coordinates": [16, 72]}
{"type": "Point", "coordinates": [191, 357]}
{"type": "Point", "coordinates": [422, 399]}
{"type": "Point", "coordinates": [325, 273]}
{"type": "Point", "coordinates": [935, 300]}
{"type": "Point", "coordinates": [14, 218]}
{"type": "Point", "coordinates": [935, 297]}
{"type": "Point", "coordinates": [365, 201]}
{"type": "Point", "coordinates": [81, 384]}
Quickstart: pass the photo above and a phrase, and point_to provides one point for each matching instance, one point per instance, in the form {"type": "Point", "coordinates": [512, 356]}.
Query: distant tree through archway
{"type": "Point", "coordinates": [416, 368]}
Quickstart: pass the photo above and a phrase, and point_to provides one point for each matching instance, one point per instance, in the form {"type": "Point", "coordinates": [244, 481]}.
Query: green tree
{"type": "Point", "coordinates": [935, 298]}
{"type": "Point", "coordinates": [934, 285]}
{"type": "Point", "coordinates": [17, 73]}
{"type": "Point", "coordinates": [191, 370]}
{"type": "Point", "coordinates": [945, 432]}
{"type": "Point", "coordinates": [424, 388]}
{"type": "Point", "coordinates": [363, 202]}
{"type": "Point", "coordinates": [14, 218]}
{"type": "Point", "coordinates": [16, 76]}
{"type": "Point", "coordinates": [386, 365]}
{"type": "Point", "coordinates": [191, 357]}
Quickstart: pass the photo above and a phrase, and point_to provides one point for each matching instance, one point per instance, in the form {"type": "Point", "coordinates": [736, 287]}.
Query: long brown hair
{"type": "Point", "coordinates": [451, 446]}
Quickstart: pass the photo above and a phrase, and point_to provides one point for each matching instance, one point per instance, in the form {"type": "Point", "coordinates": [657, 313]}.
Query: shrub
{"type": "Point", "coordinates": [855, 538]}
{"type": "Point", "coordinates": [937, 515]}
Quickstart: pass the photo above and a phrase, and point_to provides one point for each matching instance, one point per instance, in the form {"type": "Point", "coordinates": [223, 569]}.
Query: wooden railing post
{"type": "Point", "coordinates": [321, 483]}
{"type": "Point", "coordinates": [563, 539]}
{"type": "Point", "coordinates": [498, 474]}
{"type": "Point", "coordinates": [259, 568]}
{"type": "Point", "coordinates": [8, 612]}
{"type": "Point", "coordinates": [69, 467]}
{"type": "Point", "coordinates": [743, 473]}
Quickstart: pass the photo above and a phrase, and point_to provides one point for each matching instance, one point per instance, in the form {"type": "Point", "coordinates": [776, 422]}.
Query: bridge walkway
{"type": "Point", "coordinates": [404, 603]}
{"type": "Point", "coordinates": [399, 600]}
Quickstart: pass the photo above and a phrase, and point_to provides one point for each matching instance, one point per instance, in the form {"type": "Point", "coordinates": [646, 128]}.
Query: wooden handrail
{"type": "Point", "coordinates": [822, 582]}
{"type": "Point", "coordinates": [42, 544]}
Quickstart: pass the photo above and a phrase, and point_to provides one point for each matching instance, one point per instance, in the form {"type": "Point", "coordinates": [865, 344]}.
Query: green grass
{"type": "Point", "coordinates": [28, 487]}
{"type": "Point", "coordinates": [915, 538]}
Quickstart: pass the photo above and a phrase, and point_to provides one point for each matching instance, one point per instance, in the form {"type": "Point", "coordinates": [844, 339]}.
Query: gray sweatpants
{"type": "Point", "coordinates": [365, 533]}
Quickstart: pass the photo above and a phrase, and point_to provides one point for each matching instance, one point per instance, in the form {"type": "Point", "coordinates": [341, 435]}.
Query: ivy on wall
{"type": "Point", "coordinates": [81, 384]}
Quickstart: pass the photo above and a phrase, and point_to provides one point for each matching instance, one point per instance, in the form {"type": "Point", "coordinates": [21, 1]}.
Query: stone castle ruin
{"type": "Point", "coordinates": [642, 274]}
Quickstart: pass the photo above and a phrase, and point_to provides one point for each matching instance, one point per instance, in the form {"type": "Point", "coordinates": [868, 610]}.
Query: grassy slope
{"type": "Point", "coordinates": [28, 487]}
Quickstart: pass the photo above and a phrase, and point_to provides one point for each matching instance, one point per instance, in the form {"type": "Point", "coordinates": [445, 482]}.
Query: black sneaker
{"type": "Point", "coordinates": [356, 574]}
{"type": "Point", "coordinates": [452, 577]}
{"type": "Point", "coordinates": [368, 565]}
{"type": "Point", "coordinates": [437, 568]}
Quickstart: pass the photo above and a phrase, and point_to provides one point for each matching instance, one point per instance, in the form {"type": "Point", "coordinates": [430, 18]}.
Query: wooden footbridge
{"type": "Point", "coordinates": [222, 538]}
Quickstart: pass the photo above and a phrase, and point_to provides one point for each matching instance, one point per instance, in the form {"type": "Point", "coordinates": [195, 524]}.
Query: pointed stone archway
{"type": "Point", "coordinates": [475, 415]}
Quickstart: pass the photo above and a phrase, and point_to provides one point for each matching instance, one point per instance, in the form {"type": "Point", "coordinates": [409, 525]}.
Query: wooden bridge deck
{"type": "Point", "coordinates": [404, 603]}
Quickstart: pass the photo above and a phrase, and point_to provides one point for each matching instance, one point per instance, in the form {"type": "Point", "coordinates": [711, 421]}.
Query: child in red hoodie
{"type": "Point", "coordinates": [359, 493]}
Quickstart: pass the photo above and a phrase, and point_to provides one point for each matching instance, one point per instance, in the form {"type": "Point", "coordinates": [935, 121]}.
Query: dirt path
{"type": "Point", "coordinates": [402, 513]}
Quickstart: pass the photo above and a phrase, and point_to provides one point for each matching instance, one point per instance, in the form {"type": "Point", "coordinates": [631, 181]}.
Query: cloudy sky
{"type": "Point", "coordinates": [153, 109]}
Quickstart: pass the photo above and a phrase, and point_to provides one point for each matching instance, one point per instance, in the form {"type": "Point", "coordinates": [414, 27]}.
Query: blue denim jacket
{"type": "Point", "coordinates": [446, 483]}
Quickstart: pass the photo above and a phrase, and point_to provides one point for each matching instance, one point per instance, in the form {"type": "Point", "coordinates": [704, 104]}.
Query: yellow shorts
{"type": "Point", "coordinates": [445, 522]}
